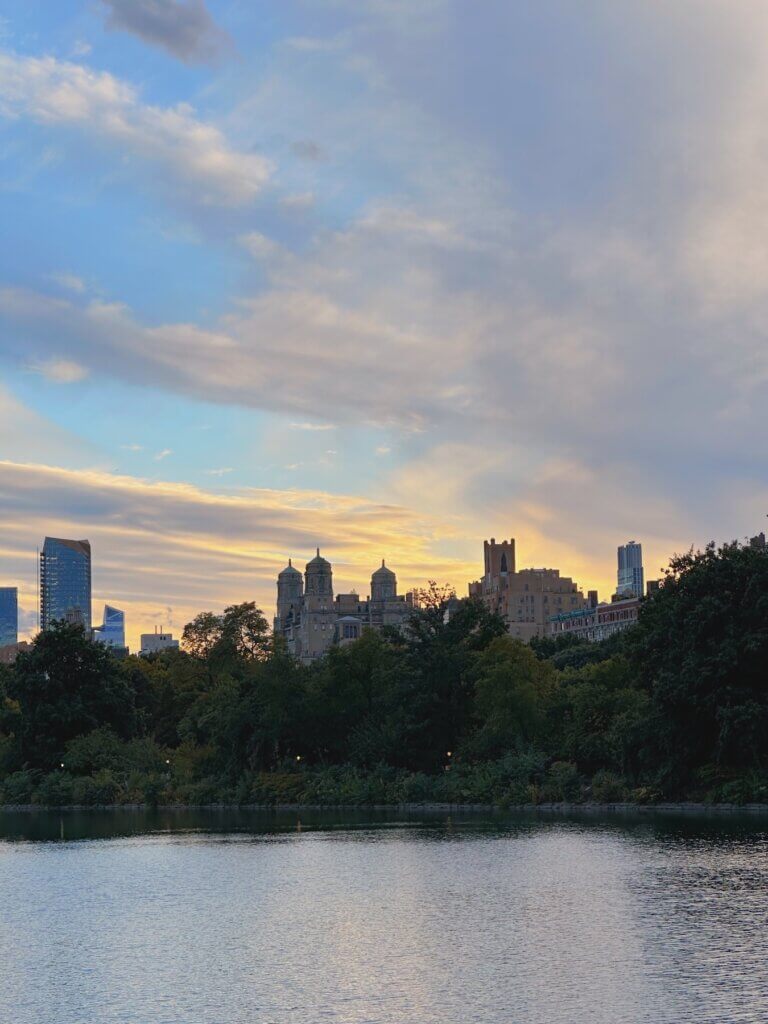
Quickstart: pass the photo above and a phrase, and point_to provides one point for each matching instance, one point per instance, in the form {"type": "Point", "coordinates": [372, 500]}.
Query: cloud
{"type": "Point", "coordinates": [61, 371]}
{"type": "Point", "coordinates": [183, 28]}
{"type": "Point", "coordinates": [159, 544]}
{"type": "Point", "coordinates": [548, 288]}
{"type": "Point", "coordinates": [297, 202]}
{"type": "Point", "coordinates": [107, 111]}
{"type": "Point", "coordinates": [70, 282]}
{"type": "Point", "coordinates": [313, 426]}
{"type": "Point", "coordinates": [261, 247]}
{"type": "Point", "coordinates": [222, 471]}
{"type": "Point", "coordinates": [132, 447]}
{"type": "Point", "coordinates": [34, 437]}
{"type": "Point", "coordinates": [163, 454]}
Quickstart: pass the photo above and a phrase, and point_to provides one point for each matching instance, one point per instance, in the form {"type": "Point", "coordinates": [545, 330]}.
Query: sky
{"type": "Point", "coordinates": [387, 277]}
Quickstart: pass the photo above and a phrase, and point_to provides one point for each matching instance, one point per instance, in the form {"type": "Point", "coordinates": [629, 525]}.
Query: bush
{"type": "Point", "coordinates": [646, 795]}
{"type": "Point", "coordinates": [55, 790]}
{"type": "Point", "coordinates": [19, 787]}
{"type": "Point", "coordinates": [608, 788]}
{"type": "Point", "coordinates": [752, 787]}
{"type": "Point", "coordinates": [100, 789]}
{"type": "Point", "coordinates": [562, 783]}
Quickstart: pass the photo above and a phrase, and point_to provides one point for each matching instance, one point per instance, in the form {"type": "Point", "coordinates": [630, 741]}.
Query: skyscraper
{"type": "Point", "coordinates": [630, 575]}
{"type": "Point", "coordinates": [65, 582]}
{"type": "Point", "coordinates": [111, 632]}
{"type": "Point", "coordinates": [9, 615]}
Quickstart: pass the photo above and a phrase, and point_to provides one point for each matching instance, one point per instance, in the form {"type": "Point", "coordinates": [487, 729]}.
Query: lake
{"type": "Point", "coordinates": [148, 918]}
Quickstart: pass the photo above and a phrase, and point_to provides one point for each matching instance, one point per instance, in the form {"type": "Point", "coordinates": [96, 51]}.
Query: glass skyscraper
{"type": "Point", "coordinates": [9, 615]}
{"type": "Point", "coordinates": [65, 582]}
{"type": "Point", "coordinates": [111, 632]}
{"type": "Point", "coordinates": [631, 579]}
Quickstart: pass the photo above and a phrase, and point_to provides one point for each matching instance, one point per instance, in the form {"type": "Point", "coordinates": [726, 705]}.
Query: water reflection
{"type": "Point", "coordinates": [173, 916]}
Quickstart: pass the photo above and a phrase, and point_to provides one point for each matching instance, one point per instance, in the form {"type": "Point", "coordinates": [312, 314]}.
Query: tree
{"type": "Point", "coordinates": [513, 688]}
{"type": "Point", "coordinates": [201, 635]}
{"type": "Point", "coordinates": [245, 632]}
{"type": "Point", "coordinates": [701, 650]}
{"type": "Point", "coordinates": [241, 633]}
{"type": "Point", "coordinates": [435, 688]}
{"type": "Point", "coordinates": [66, 686]}
{"type": "Point", "coordinates": [353, 710]}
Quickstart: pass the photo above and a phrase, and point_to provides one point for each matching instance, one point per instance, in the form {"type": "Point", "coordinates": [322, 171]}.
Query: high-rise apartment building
{"type": "Point", "coordinates": [526, 598]}
{"type": "Point", "coordinates": [630, 576]}
{"type": "Point", "coordinates": [9, 615]}
{"type": "Point", "coordinates": [65, 582]}
{"type": "Point", "coordinates": [111, 632]}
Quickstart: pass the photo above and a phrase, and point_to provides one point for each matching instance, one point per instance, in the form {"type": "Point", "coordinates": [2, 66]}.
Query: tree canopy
{"type": "Point", "coordinates": [450, 707]}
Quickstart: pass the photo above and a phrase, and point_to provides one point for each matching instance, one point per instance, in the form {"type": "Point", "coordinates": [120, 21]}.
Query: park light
{"type": "Point", "coordinates": [298, 757]}
{"type": "Point", "coordinates": [167, 760]}
{"type": "Point", "coordinates": [61, 764]}
{"type": "Point", "coordinates": [449, 753]}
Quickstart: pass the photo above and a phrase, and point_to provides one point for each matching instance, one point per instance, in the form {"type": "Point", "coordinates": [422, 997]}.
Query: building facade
{"type": "Point", "coordinates": [111, 632]}
{"type": "Point", "coordinates": [10, 652]}
{"type": "Point", "coordinates": [9, 615]}
{"type": "Point", "coordinates": [630, 577]}
{"type": "Point", "coordinates": [598, 622]}
{"type": "Point", "coordinates": [153, 643]}
{"type": "Point", "coordinates": [65, 582]}
{"type": "Point", "coordinates": [525, 599]}
{"type": "Point", "coordinates": [311, 618]}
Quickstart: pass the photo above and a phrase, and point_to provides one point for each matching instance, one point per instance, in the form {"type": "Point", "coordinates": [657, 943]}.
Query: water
{"type": "Point", "coordinates": [148, 919]}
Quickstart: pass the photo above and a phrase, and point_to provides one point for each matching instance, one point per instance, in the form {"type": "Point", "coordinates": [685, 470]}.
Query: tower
{"type": "Point", "coordinates": [318, 582]}
{"type": "Point", "coordinates": [290, 591]}
{"type": "Point", "coordinates": [65, 582]}
{"type": "Point", "coordinates": [9, 615]}
{"type": "Point", "coordinates": [383, 584]}
{"type": "Point", "coordinates": [499, 558]}
{"type": "Point", "coordinates": [630, 575]}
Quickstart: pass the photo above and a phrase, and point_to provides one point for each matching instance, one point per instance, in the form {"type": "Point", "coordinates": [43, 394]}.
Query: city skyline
{"type": "Point", "coordinates": [319, 296]}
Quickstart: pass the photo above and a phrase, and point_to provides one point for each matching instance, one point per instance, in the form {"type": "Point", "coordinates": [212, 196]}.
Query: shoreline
{"type": "Point", "coordinates": [682, 807]}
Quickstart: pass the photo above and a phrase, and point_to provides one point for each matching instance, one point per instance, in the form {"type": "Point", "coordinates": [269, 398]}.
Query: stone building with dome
{"type": "Point", "coordinates": [311, 618]}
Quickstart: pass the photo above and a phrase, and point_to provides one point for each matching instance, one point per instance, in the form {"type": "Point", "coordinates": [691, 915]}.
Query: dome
{"type": "Point", "coordinates": [318, 563]}
{"type": "Point", "coordinates": [289, 571]}
{"type": "Point", "coordinates": [383, 573]}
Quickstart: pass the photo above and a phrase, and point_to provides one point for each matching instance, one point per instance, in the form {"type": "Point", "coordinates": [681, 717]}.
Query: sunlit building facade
{"type": "Point", "coordinates": [525, 599]}
{"type": "Point", "coordinates": [65, 582]}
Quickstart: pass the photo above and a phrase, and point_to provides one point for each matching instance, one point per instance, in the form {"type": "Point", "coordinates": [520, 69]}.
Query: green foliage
{"type": "Point", "coordinates": [562, 783]}
{"type": "Point", "coordinates": [66, 686]}
{"type": "Point", "coordinates": [449, 710]}
{"type": "Point", "coordinates": [701, 651]}
{"type": "Point", "coordinates": [513, 689]}
{"type": "Point", "coordinates": [608, 787]}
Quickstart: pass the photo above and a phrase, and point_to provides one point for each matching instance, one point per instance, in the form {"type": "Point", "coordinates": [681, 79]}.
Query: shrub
{"type": "Point", "coordinates": [19, 787]}
{"type": "Point", "coordinates": [562, 782]}
{"type": "Point", "coordinates": [608, 788]}
{"type": "Point", "coordinates": [55, 790]}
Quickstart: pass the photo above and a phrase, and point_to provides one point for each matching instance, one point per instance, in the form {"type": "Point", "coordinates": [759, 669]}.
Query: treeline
{"type": "Point", "coordinates": [450, 710]}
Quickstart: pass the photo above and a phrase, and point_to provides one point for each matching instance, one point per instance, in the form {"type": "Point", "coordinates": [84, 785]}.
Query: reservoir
{"type": "Point", "coordinates": [384, 918]}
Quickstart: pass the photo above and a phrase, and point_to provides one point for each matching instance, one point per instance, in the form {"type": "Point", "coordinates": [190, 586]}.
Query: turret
{"type": "Point", "coordinates": [383, 584]}
{"type": "Point", "coordinates": [318, 577]}
{"type": "Point", "coordinates": [290, 590]}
